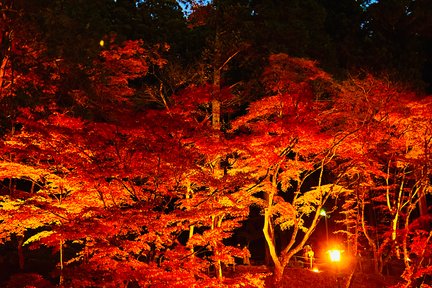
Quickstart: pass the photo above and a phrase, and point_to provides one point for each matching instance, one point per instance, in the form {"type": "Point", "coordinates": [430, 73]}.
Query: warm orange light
{"type": "Point", "coordinates": [335, 255]}
{"type": "Point", "coordinates": [316, 270]}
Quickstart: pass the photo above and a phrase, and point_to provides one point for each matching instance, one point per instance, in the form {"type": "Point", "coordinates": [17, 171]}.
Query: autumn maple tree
{"type": "Point", "coordinates": [282, 146]}
{"type": "Point", "coordinates": [123, 193]}
{"type": "Point", "coordinates": [387, 168]}
{"type": "Point", "coordinates": [119, 196]}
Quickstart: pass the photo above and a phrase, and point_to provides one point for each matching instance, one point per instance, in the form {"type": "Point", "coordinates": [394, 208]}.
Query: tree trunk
{"type": "Point", "coordinates": [278, 268]}
{"type": "Point", "coordinates": [377, 262]}
{"type": "Point", "coordinates": [21, 258]}
{"type": "Point", "coordinates": [395, 224]}
{"type": "Point", "coordinates": [3, 65]}
{"type": "Point", "coordinates": [278, 272]}
{"type": "Point", "coordinates": [189, 193]}
{"type": "Point", "coordinates": [5, 45]}
{"type": "Point", "coordinates": [217, 223]}
{"type": "Point", "coordinates": [61, 263]}
{"type": "Point", "coordinates": [216, 113]}
{"type": "Point", "coordinates": [376, 255]}
{"type": "Point", "coordinates": [422, 203]}
{"type": "Point", "coordinates": [268, 260]}
{"type": "Point", "coordinates": [216, 76]}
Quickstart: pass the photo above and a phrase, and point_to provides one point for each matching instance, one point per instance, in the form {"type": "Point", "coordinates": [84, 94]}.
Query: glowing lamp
{"type": "Point", "coordinates": [335, 255]}
{"type": "Point", "coordinates": [323, 212]}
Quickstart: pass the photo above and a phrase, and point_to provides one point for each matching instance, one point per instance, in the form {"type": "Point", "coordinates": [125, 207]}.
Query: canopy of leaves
{"type": "Point", "coordinates": [109, 160]}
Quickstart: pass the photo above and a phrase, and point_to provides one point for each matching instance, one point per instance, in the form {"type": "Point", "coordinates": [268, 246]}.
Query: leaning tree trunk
{"type": "Point", "coordinates": [269, 235]}
{"type": "Point", "coordinates": [278, 268]}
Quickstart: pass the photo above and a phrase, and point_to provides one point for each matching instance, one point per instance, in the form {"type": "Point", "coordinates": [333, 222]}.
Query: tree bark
{"type": "Point", "coordinates": [61, 263]}
{"type": "Point", "coordinates": [216, 113]}
{"type": "Point", "coordinates": [5, 44]}
{"type": "Point", "coordinates": [376, 260]}
{"type": "Point", "coordinates": [21, 258]}
{"type": "Point", "coordinates": [422, 203]}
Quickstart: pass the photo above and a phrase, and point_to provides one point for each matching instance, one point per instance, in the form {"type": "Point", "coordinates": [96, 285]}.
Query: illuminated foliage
{"type": "Point", "coordinates": [118, 197]}
{"type": "Point", "coordinates": [126, 193]}
{"type": "Point", "coordinates": [388, 167]}
{"type": "Point", "coordinates": [282, 147]}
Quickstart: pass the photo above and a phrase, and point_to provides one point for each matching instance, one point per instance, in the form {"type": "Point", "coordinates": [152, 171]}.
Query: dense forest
{"type": "Point", "coordinates": [158, 143]}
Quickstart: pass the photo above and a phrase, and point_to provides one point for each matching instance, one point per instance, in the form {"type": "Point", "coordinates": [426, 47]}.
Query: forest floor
{"type": "Point", "coordinates": [327, 276]}
{"type": "Point", "coordinates": [330, 278]}
{"type": "Point", "coordinates": [293, 278]}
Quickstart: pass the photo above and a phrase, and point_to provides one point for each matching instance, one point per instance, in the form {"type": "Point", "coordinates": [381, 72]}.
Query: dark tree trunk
{"type": "Point", "coordinates": [21, 258]}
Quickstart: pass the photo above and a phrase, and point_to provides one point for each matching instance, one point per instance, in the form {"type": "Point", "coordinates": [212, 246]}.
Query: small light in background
{"type": "Point", "coordinates": [316, 270]}
{"type": "Point", "coordinates": [101, 43]}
